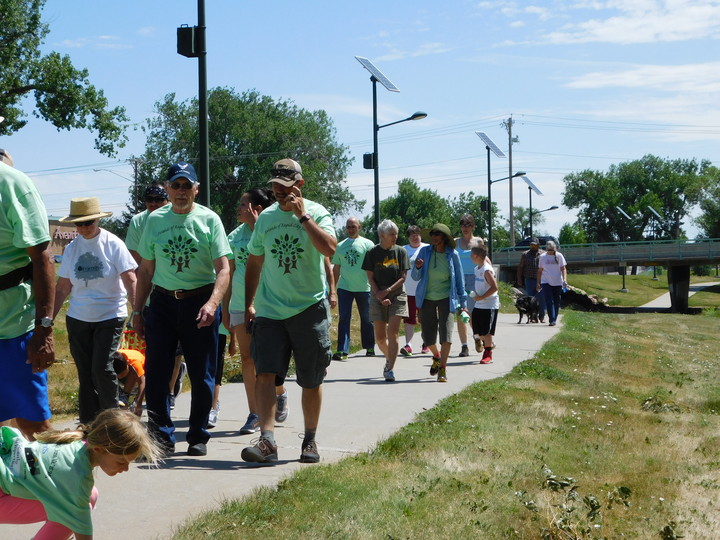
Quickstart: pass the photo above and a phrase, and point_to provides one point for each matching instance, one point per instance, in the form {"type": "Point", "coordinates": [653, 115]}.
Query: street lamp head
{"type": "Point", "coordinates": [553, 207]}
{"type": "Point", "coordinates": [418, 116]}
{"type": "Point", "coordinates": [519, 173]}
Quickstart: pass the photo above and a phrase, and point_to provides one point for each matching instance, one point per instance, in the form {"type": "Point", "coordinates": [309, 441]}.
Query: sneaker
{"type": "Point", "coordinates": [388, 374]}
{"type": "Point", "coordinates": [442, 377]}
{"type": "Point", "coordinates": [478, 343]}
{"type": "Point", "coordinates": [309, 453]}
{"type": "Point", "coordinates": [262, 452]}
{"type": "Point", "coordinates": [172, 402]}
{"type": "Point", "coordinates": [425, 349]}
{"type": "Point", "coordinates": [197, 449]}
{"type": "Point", "coordinates": [406, 350]}
{"type": "Point", "coordinates": [486, 357]}
{"type": "Point", "coordinates": [339, 356]}
{"type": "Point", "coordinates": [251, 426]}
{"type": "Point", "coordinates": [123, 399]}
{"type": "Point", "coordinates": [213, 418]}
{"type": "Point", "coordinates": [435, 365]}
{"type": "Point", "coordinates": [464, 351]}
{"type": "Point", "coordinates": [281, 407]}
{"type": "Point", "coordinates": [179, 381]}
{"type": "Point", "coordinates": [370, 352]}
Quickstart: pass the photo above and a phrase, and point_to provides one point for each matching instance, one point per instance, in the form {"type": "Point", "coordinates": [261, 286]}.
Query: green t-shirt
{"type": "Point", "coordinates": [238, 240]}
{"type": "Point", "coordinates": [57, 475]}
{"type": "Point", "coordinates": [23, 224]}
{"type": "Point", "coordinates": [135, 230]}
{"type": "Point", "coordinates": [293, 272]}
{"type": "Point", "coordinates": [387, 265]}
{"type": "Point", "coordinates": [438, 284]}
{"type": "Point", "coordinates": [183, 246]}
{"type": "Point", "coordinates": [350, 255]}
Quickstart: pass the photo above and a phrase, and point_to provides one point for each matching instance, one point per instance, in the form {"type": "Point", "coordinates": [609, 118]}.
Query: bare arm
{"type": "Point", "coordinates": [41, 348]}
{"type": "Point", "coordinates": [206, 315]}
{"type": "Point", "coordinates": [490, 280]}
{"type": "Point", "coordinates": [136, 256]}
{"type": "Point", "coordinates": [539, 275]}
{"type": "Point", "coordinates": [63, 288]}
{"type": "Point", "coordinates": [331, 282]}
{"type": "Point", "coordinates": [129, 279]}
{"type": "Point", "coordinates": [140, 396]}
{"type": "Point", "coordinates": [142, 290]}
{"type": "Point", "coordinates": [227, 296]}
{"type": "Point", "coordinates": [520, 270]}
{"type": "Point", "coordinates": [252, 279]}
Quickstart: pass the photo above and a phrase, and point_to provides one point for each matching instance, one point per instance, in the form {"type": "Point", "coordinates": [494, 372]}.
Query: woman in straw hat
{"type": "Point", "coordinates": [98, 273]}
{"type": "Point", "coordinates": [440, 292]}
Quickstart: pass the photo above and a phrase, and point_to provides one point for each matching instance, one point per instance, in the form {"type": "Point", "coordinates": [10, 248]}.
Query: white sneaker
{"type": "Point", "coordinates": [281, 408]}
{"type": "Point", "coordinates": [213, 418]}
{"type": "Point", "coordinates": [388, 374]}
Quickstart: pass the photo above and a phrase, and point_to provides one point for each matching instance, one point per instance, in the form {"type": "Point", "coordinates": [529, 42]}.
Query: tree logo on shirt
{"type": "Point", "coordinates": [241, 256]}
{"type": "Point", "coordinates": [287, 251]}
{"type": "Point", "coordinates": [352, 257]}
{"type": "Point", "coordinates": [180, 251]}
{"type": "Point", "coordinates": [88, 267]}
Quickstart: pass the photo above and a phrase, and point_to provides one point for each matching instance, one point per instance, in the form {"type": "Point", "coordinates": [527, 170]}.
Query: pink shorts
{"type": "Point", "coordinates": [412, 310]}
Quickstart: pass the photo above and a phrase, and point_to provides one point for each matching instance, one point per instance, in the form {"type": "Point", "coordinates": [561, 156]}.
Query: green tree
{"type": "Point", "coordinates": [521, 217]}
{"type": "Point", "coordinates": [571, 234]}
{"type": "Point", "coordinates": [709, 219]}
{"type": "Point", "coordinates": [248, 132]}
{"type": "Point", "coordinates": [63, 94]}
{"type": "Point", "coordinates": [410, 206]}
{"type": "Point", "coordinates": [469, 203]}
{"type": "Point", "coordinates": [672, 187]}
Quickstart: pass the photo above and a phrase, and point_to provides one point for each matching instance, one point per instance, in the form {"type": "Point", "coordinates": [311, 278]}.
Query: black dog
{"type": "Point", "coordinates": [528, 306]}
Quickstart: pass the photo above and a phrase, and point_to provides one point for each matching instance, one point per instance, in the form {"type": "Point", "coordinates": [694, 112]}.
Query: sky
{"type": "Point", "coordinates": [587, 84]}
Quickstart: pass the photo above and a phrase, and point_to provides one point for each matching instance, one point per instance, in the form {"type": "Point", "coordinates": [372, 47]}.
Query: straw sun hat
{"type": "Point", "coordinates": [85, 209]}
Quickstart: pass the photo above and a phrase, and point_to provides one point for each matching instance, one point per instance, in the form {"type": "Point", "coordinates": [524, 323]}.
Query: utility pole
{"type": "Point", "coordinates": [508, 124]}
{"type": "Point", "coordinates": [136, 201]}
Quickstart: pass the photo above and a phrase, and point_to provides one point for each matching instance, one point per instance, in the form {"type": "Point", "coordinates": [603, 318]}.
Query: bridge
{"type": "Point", "coordinates": [677, 255]}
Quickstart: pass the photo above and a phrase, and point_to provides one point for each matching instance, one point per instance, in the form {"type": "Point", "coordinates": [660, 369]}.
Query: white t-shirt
{"type": "Point", "coordinates": [94, 267]}
{"type": "Point", "coordinates": [410, 283]}
{"type": "Point", "coordinates": [551, 265]}
{"type": "Point", "coordinates": [482, 286]}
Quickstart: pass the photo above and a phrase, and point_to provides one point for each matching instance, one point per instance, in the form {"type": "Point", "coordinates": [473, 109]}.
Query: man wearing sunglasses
{"type": "Point", "coordinates": [155, 197]}
{"type": "Point", "coordinates": [184, 253]}
{"type": "Point", "coordinates": [286, 306]}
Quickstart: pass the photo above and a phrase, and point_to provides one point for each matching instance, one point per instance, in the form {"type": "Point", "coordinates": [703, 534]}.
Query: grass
{"type": "Point", "coordinates": [566, 446]}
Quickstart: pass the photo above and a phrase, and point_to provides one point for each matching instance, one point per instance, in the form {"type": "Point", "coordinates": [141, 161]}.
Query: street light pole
{"type": "Point", "coordinates": [490, 183]}
{"type": "Point", "coordinates": [553, 207]}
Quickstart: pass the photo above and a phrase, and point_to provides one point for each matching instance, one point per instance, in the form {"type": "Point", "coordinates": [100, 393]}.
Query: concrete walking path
{"type": "Point", "coordinates": [663, 301]}
{"type": "Point", "coordinates": [359, 409]}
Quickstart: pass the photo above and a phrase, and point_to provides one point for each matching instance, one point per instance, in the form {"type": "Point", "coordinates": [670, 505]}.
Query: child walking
{"type": "Point", "coordinates": [51, 479]}
{"type": "Point", "coordinates": [487, 303]}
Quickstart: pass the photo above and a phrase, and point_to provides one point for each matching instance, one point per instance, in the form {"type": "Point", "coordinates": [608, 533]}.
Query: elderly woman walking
{"type": "Point", "coordinates": [440, 292]}
{"type": "Point", "coordinates": [552, 279]}
{"type": "Point", "coordinates": [386, 265]}
{"type": "Point", "coordinates": [98, 272]}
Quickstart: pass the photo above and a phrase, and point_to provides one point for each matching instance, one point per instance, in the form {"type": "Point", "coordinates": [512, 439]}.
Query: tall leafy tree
{"type": "Point", "coordinates": [469, 203]}
{"type": "Point", "coordinates": [248, 132]}
{"type": "Point", "coordinates": [672, 187]}
{"type": "Point", "coordinates": [709, 219]}
{"type": "Point", "coordinates": [521, 217]}
{"type": "Point", "coordinates": [571, 234]}
{"type": "Point", "coordinates": [62, 93]}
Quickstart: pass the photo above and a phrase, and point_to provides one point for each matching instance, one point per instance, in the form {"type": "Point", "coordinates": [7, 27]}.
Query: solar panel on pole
{"type": "Point", "coordinates": [490, 144]}
{"type": "Point", "coordinates": [531, 185]}
{"type": "Point", "coordinates": [375, 72]}
{"type": "Point", "coordinates": [622, 212]}
{"type": "Point", "coordinates": [657, 215]}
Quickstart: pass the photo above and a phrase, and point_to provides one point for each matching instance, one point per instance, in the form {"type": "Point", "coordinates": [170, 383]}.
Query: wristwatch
{"type": "Point", "coordinates": [304, 218]}
{"type": "Point", "coordinates": [45, 322]}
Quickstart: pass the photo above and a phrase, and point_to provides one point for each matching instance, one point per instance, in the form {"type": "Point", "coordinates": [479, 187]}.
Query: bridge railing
{"type": "Point", "coordinates": [660, 252]}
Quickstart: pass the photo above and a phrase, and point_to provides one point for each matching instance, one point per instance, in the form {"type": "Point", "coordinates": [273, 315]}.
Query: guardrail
{"type": "Point", "coordinates": [660, 252]}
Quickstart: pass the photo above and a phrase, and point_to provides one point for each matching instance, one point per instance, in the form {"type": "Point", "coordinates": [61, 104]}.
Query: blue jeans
{"type": "Point", "coordinates": [367, 334]}
{"type": "Point", "coordinates": [552, 300]}
{"type": "Point", "coordinates": [530, 286]}
{"type": "Point", "coordinates": [168, 321]}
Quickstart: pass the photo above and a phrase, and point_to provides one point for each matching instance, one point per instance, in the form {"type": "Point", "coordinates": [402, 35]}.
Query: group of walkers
{"type": "Point", "coordinates": [266, 282]}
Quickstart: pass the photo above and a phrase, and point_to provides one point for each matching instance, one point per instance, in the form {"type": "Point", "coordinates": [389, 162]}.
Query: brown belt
{"type": "Point", "coordinates": [16, 277]}
{"type": "Point", "coordinates": [180, 294]}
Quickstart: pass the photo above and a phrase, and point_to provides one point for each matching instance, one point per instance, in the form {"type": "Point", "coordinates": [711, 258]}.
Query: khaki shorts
{"type": "Point", "coordinates": [398, 308]}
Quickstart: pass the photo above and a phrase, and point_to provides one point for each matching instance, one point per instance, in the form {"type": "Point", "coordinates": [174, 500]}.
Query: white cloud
{"type": "Point", "coordinates": [146, 31]}
{"type": "Point", "coordinates": [95, 42]}
{"type": "Point", "coordinates": [423, 49]}
{"type": "Point", "coordinates": [643, 21]}
{"type": "Point", "coordinates": [688, 78]}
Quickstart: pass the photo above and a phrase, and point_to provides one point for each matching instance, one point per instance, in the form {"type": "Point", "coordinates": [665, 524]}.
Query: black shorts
{"type": "Point", "coordinates": [484, 321]}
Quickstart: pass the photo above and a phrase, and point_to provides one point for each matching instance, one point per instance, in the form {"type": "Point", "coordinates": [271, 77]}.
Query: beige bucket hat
{"type": "Point", "coordinates": [84, 209]}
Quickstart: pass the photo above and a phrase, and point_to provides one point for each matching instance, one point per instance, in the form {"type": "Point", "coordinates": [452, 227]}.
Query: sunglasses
{"type": "Point", "coordinates": [187, 186]}
{"type": "Point", "coordinates": [84, 223]}
{"type": "Point", "coordinates": [284, 173]}
{"type": "Point", "coordinates": [436, 233]}
{"type": "Point", "coordinates": [154, 199]}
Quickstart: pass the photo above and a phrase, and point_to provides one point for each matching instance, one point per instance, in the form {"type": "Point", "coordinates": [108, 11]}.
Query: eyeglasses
{"type": "Point", "coordinates": [84, 223]}
{"type": "Point", "coordinates": [284, 173]}
{"type": "Point", "coordinates": [154, 199]}
{"type": "Point", "coordinates": [187, 186]}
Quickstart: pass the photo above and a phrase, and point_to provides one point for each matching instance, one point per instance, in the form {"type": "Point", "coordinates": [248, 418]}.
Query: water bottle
{"type": "Point", "coordinates": [564, 289]}
{"type": "Point", "coordinates": [464, 316]}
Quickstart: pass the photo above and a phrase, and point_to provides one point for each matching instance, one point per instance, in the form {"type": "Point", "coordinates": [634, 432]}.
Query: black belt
{"type": "Point", "coordinates": [16, 277]}
{"type": "Point", "coordinates": [180, 294]}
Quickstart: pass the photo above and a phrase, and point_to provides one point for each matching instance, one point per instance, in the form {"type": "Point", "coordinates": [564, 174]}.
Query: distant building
{"type": "Point", "coordinates": [61, 234]}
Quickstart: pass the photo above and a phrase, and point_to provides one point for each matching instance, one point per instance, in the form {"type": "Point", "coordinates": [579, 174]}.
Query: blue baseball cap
{"type": "Point", "coordinates": [182, 170]}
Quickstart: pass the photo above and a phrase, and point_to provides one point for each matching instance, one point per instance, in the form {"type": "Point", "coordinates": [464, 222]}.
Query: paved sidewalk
{"type": "Point", "coordinates": [663, 301]}
{"type": "Point", "coordinates": [359, 409]}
